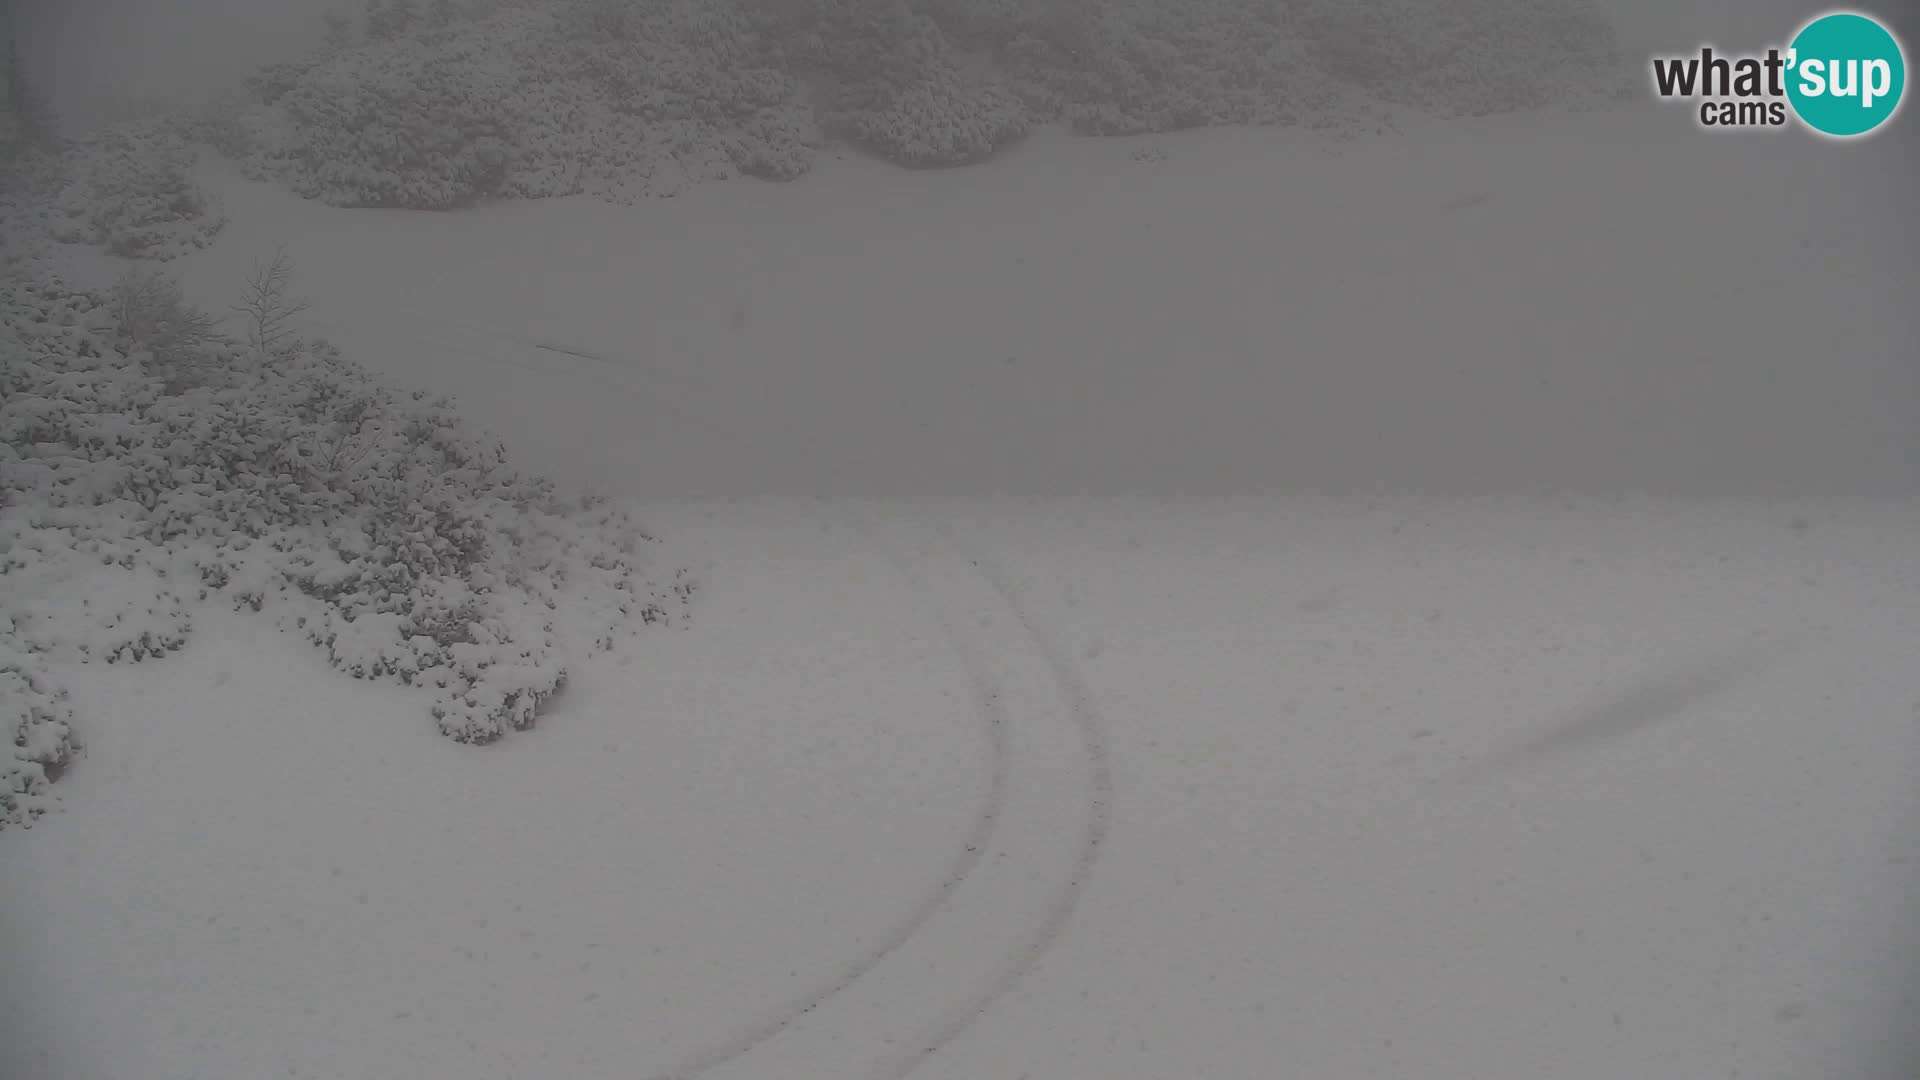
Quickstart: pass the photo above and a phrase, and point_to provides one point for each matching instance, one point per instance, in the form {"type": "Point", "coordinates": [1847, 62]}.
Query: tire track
{"type": "Point", "coordinates": [988, 703]}
{"type": "Point", "coordinates": [988, 816]}
{"type": "Point", "coordinates": [990, 707]}
{"type": "Point", "coordinates": [942, 920]}
{"type": "Point", "coordinates": [1059, 910]}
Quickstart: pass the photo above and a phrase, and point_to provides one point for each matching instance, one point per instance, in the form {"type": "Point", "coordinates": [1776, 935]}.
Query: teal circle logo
{"type": "Point", "coordinates": [1846, 74]}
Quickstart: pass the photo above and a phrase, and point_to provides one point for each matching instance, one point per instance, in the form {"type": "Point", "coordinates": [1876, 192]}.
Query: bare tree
{"type": "Point", "coordinates": [268, 310]}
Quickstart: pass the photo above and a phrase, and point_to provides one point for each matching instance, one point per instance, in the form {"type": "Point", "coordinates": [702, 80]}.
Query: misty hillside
{"type": "Point", "coordinates": [432, 104]}
{"type": "Point", "coordinates": [947, 540]}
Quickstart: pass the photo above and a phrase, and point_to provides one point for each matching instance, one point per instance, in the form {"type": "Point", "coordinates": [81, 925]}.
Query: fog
{"type": "Point", "coordinates": [103, 58]}
{"type": "Point", "coordinates": [99, 60]}
{"type": "Point", "coordinates": [1370, 678]}
{"type": "Point", "coordinates": [1750, 290]}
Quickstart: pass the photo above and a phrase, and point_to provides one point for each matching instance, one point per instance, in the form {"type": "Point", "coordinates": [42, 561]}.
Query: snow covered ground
{"type": "Point", "coordinates": [1483, 772]}
{"type": "Point", "coordinates": [1238, 789]}
{"type": "Point", "coordinates": [1532, 303]}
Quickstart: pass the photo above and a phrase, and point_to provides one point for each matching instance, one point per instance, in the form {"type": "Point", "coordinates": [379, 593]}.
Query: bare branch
{"type": "Point", "coordinates": [268, 310]}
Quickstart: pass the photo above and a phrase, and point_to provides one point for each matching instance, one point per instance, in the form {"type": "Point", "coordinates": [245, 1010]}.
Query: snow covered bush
{"type": "Point", "coordinates": [883, 75]}
{"type": "Point", "coordinates": [1134, 67]}
{"type": "Point", "coordinates": [127, 188]}
{"type": "Point", "coordinates": [30, 181]}
{"type": "Point", "coordinates": [182, 346]}
{"type": "Point", "coordinates": [607, 97]}
{"type": "Point", "coordinates": [133, 194]}
{"type": "Point", "coordinates": [1466, 60]}
{"type": "Point", "coordinates": [402, 124]}
{"type": "Point", "coordinates": [943, 117]}
{"type": "Point", "coordinates": [33, 170]}
{"type": "Point", "coordinates": [390, 19]}
{"type": "Point", "coordinates": [271, 82]}
{"type": "Point", "coordinates": [622, 98]}
{"type": "Point", "coordinates": [35, 711]}
{"type": "Point", "coordinates": [141, 478]}
{"type": "Point", "coordinates": [685, 82]}
{"type": "Point", "coordinates": [922, 72]}
{"type": "Point", "coordinates": [1139, 68]}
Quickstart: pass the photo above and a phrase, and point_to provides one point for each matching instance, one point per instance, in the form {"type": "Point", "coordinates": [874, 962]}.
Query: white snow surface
{"type": "Point", "coordinates": [1492, 780]}
{"type": "Point", "coordinates": [1538, 303]}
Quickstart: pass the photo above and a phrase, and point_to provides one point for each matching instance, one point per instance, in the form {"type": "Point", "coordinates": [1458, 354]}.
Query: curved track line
{"type": "Point", "coordinates": [992, 712]}
{"type": "Point", "coordinates": [432, 334]}
{"type": "Point", "coordinates": [988, 701]}
{"type": "Point", "coordinates": [1051, 919]}
{"type": "Point", "coordinates": [543, 357]}
{"type": "Point", "coordinates": [1092, 730]}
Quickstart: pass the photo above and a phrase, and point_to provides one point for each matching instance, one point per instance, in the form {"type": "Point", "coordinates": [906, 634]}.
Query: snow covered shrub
{"type": "Point", "coordinates": [1131, 68]}
{"type": "Point", "coordinates": [643, 97]}
{"type": "Point", "coordinates": [986, 26]}
{"type": "Point", "coordinates": [30, 181]}
{"type": "Point", "coordinates": [1134, 67]}
{"type": "Point", "coordinates": [942, 118]}
{"type": "Point", "coordinates": [402, 124]}
{"type": "Point", "coordinates": [885, 77]}
{"type": "Point", "coordinates": [776, 144]}
{"type": "Point", "coordinates": [271, 82]}
{"type": "Point", "coordinates": [157, 327]}
{"type": "Point", "coordinates": [684, 76]}
{"type": "Point", "coordinates": [133, 194]}
{"type": "Point", "coordinates": [226, 130]}
{"type": "Point", "coordinates": [388, 19]}
{"type": "Point", "coordinates": [440, 14]}
{"type": "Point", "coordinates": [601, 20]}
{"type": "Point", "coordinates": [1456, 59]}
{"type": "Point", "coordinates": [375, 524]}
{"type": "Point", "coordinates": [605, 97]}
{"type": "Point", "coordinates": [81, 610]}
{"type": "Point", "coordinates": [35, 712]}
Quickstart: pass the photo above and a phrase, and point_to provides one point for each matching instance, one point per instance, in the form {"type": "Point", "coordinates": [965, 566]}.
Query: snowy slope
{"type": "Point", "coordinates": [1413, 788]}
{"type": "Point", "coordinates": [1534, 303]}
{"type": "Point", "coordinates": [1116, 787]}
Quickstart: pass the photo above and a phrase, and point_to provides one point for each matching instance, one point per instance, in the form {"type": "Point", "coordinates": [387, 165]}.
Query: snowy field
{"type": "Point", "coordinates": [1062, 788]}
{"type": "Point", "coordinates": [1479, 643]}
